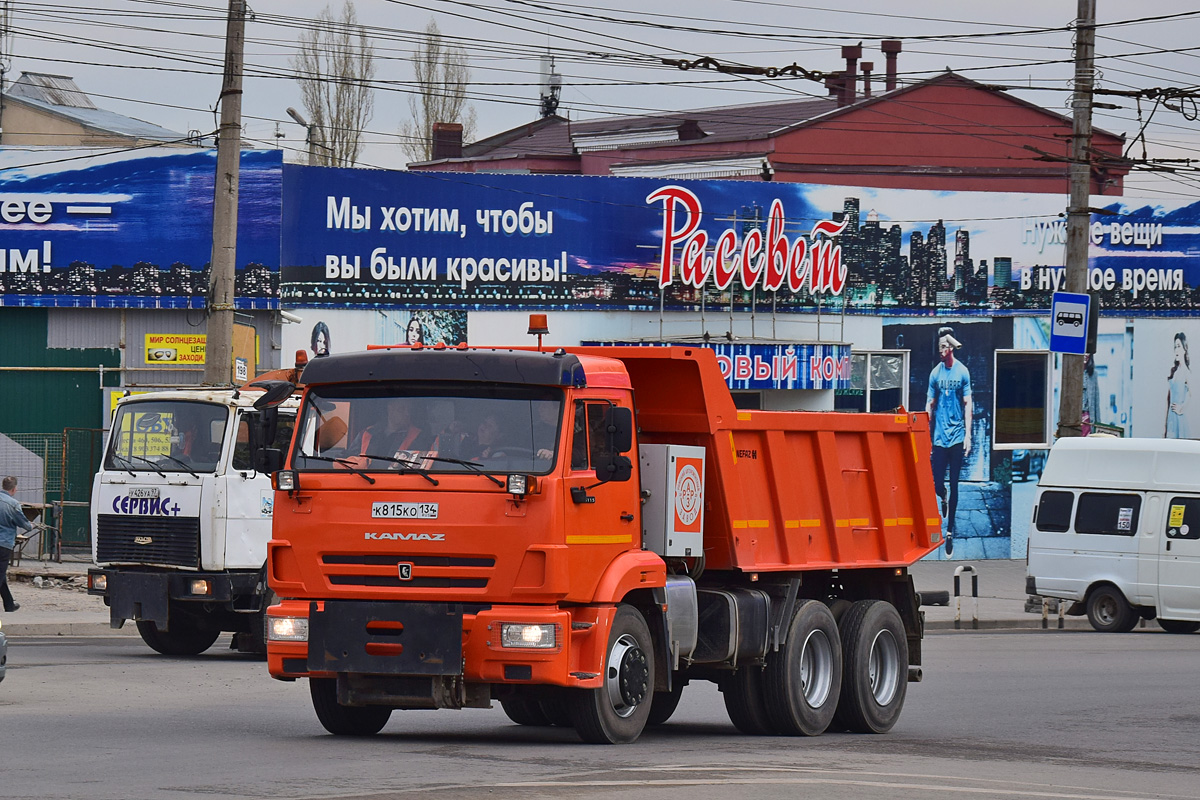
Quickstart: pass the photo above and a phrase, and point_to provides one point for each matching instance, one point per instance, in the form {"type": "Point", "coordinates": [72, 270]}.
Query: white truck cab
{"type": "Point", "coordinates": [1116, 529]}
{"type": "Point", "coordinates": [181, 515]}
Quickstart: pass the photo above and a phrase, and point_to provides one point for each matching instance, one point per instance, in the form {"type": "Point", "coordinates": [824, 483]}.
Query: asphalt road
{"type": "Point", "coordinates": [1000, 715]}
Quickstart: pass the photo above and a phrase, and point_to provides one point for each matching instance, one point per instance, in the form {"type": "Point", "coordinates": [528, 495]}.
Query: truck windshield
{"type": "Point", "coordinates": [438, 428]}
{"type": "Point", "coordinates": [167, 436]}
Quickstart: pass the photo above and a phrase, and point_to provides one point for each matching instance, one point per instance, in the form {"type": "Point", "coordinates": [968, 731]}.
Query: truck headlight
{"type": "Point", "coordinates": [200, 586]}
{"type": "Point", "coordinates": [525, 636]}
{"type": "Point", "coordinates": [99, 582]}
{"type": "Point", "coordinates": [287, 629]}
{"type": "Point", "coordinates": [286, 480]}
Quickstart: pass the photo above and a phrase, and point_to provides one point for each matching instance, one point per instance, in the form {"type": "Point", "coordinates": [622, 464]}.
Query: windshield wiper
{"type": "Point", "coordinates": [153, 466]}
{"type": "Point", "coordinates": [126, 460]}
{"type": "Point", "coordinates": [410, 465]}
{"type": "Point", "coordinates": [342, 461]}
{"type": "Point", "coordinates": [478, 469]}
{"type": "Point", "coordinates": [184, 464]}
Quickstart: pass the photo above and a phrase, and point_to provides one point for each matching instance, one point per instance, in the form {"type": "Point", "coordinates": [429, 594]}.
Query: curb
{"type": "Point", "coordinates": [14, 630]}
{"type": "Point", "coordinates": [966, 625]}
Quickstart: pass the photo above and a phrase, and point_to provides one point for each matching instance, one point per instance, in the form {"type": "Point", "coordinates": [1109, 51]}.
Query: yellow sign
{"type": "Point", "coordinates": [175, 349]}
{"type": "Point", "coordinates": [1176, 517]}
{"type": "Point", "coordinates": [144, 433]}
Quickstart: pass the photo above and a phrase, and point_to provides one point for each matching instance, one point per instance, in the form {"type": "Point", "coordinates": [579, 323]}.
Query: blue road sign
{"type": "Point", "coordinates": [1069, 315]}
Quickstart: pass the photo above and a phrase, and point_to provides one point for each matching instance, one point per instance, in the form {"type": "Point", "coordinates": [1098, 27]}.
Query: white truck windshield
{"type": "Point", "coordinates": [167, 436]}
{"type": "Point", "coordinates": [434, 428]}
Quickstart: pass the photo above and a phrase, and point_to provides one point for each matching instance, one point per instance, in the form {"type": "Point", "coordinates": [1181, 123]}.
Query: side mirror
{"type": "Point", "coordinates": [275, 392]}
{"type": "Point", "coordinates": [266, 426]}
{"type": "Point", "coordinates": [618, 423]}
{"type": "Point", "coordinates": [268, 459]}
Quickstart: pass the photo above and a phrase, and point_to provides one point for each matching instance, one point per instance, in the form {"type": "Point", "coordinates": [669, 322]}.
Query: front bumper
{"type": "Point", "coordinates": [140, 595]}
{"type": "Point", "coordinates": [385, 638]}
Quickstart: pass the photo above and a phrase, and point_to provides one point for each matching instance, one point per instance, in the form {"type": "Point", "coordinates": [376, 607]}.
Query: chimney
{"type": "Point", "coordinates": [447, 140]}
{"type": "Point", "coordinates": [852, 53]}
{"type": "Point", "coordinates": [891, 49]}
{"type": "Point", "coordinates": [867, 66]}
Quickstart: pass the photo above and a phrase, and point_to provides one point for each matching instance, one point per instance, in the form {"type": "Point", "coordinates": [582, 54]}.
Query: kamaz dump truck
{"type": "Point", "coordinates": [579, 534]}
{"type": "Point", "coordinates": [181, 514]}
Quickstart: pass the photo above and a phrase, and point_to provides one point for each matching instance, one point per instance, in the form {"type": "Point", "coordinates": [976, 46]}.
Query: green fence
{"type": "Point", "coordinates": [55, 471]}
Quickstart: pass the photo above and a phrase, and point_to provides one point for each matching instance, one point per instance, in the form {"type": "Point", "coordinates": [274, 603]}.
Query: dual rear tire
{"type": "Point", "coordinates": [846, 673]}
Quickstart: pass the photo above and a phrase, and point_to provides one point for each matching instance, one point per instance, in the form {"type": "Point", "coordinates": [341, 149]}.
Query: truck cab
{"type": "Point", "coordinates": [181, 515]}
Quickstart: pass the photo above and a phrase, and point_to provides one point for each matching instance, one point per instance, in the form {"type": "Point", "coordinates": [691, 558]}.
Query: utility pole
{"type": "Point", "coordinates": [1070, 406]}
{"type": "Point", "coordinates": [218, 362]}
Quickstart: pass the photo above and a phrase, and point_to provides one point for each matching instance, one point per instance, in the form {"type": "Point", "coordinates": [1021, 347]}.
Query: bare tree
{"type": "Point", "coordinates": [334, 67]}
{"type": "Point", "coordinates": [442, 76]}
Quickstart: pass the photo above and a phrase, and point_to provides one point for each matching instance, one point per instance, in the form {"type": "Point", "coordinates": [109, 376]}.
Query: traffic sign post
{"type": "Point", "coordinates": [1070, 321]}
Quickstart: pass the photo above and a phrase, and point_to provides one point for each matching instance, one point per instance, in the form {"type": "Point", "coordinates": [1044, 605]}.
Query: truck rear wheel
{"type": "Point", "coordinates": [343, 720]}
{"type": "Point", "coordinates": [617, 712]}
{"type": "Point", "coordinates": [1109, 611]}
{"type": "Point", "coordinates": [803, 679]}
{"type": "Point", "coordinates": [746, 704]}
{"type": "Point", "coordinates": [874, 668]}
{"type": "Point", "coordinates": [185, 637]}
{"type": "Point", "coordinates": [1178, 626]}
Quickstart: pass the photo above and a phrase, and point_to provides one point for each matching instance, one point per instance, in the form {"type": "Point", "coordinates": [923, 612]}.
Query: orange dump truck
{"type": "Point", "coordinates": [579, 534]}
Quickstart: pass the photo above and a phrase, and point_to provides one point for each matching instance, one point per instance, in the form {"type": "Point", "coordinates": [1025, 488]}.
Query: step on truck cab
{"type": "Point", "coordinates": [579, 534]}
{"type": "Point", "coordinates": [181, 513]}
{"type": "Point", "coordinates": [1116, 530]}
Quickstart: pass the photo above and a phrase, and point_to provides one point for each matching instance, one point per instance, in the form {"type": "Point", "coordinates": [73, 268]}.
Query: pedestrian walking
{"type": "Point", "coordinates": [12, 520]}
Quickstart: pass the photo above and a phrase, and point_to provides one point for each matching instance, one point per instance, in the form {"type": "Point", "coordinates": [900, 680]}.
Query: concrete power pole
{"type": "Point", "coordinates": [1070, 406]}
{"type": "Point", "coordinates": [218, 362]}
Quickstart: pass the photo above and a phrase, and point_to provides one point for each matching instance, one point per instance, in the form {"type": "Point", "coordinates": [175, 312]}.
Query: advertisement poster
{"type": "Point", "coordinates": [131, 230]}
{"type": "Point", "coordinates": [1165, 390]}
{"type": "Point", "coordinates": [951, 377]}
{"type": "Point", "coordinates": [374, 238]}
{"type": "Point", "coordinates": [325, 331]}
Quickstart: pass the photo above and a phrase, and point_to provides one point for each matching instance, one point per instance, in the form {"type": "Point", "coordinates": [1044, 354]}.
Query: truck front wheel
{"type": "Point", "coordinates": [343, 720]}
{"type": "Point", "coordinates": [186, 636]}
{"type": "Point", "coordinates": [1109, 611]}
{"type": "Point", "coordinates": [874, 669]}
{"type": "Point", "coordinates": [617, 712]}
{"type": "Point", "coordinates": [803, 680]}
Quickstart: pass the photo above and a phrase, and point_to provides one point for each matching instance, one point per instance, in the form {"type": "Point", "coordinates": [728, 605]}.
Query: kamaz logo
{"type": "Point", "coordinates": [408, 537]}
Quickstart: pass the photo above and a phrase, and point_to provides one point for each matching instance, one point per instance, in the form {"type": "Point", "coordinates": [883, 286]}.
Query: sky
{"type": "Point", "coordinates": [160, 60]}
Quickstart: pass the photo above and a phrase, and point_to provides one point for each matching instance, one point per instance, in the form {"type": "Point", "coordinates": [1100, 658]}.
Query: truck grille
{"type": "Point", "coordinates": [148, 540]}
{"type": "Point", "coordinates": [427, 572]}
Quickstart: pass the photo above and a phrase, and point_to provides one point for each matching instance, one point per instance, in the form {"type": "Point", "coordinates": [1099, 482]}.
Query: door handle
{"type": "Point", "coordinates": [1168, 544]}
{"type": "Point", "coordinates": [627, 517]}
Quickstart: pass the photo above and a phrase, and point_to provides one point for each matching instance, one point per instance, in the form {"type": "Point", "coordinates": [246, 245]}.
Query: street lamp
{"type": "Point", "coordinates": [311, 137]}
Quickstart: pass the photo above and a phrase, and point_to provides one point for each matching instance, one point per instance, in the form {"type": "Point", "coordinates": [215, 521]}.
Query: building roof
{"type": "Point", "coordinates": [59, 94]}
{"type": "Point", "coordinates": [556, 137]}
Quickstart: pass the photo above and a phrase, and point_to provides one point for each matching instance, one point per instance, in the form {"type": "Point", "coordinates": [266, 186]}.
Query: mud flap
{"type": "Point", "coordinates": [134, 595]}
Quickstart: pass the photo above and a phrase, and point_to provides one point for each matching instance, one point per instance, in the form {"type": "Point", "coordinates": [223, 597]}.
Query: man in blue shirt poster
{"type": "Point", "coordinates": [949, 407]}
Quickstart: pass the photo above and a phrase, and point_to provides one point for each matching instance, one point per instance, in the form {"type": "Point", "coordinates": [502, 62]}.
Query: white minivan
{"type": "Point", "coordinates": [1116, 528]}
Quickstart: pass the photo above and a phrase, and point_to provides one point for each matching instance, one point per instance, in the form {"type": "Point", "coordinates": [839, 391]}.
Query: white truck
{"type": "Point", "coordinates": [181, 514]}
{"type": "Point", "coordinates": [1116, 530]}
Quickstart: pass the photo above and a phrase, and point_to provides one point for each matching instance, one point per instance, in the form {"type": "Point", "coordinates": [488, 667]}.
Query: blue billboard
{"type": "Point", "coordinates": [388, 239]}
{"type": "Point", "coordinates": [131, 229]}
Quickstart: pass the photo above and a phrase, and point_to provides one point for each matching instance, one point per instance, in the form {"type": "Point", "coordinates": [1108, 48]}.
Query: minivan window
{"type": "Point", "coordinates": [1183, 518]}
{"type": "Point", "coordinates": [1054, 512]}
{"type": "Point", "coordinates": [1112, 514]}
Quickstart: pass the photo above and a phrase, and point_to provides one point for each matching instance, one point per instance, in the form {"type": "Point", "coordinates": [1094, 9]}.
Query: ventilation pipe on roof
{"type": "Point", "coordinates": [867, 66]}
{"type": "Point", "coordinates": [891, 49]}
{"type": "Point", "coordinates": [852, 53]}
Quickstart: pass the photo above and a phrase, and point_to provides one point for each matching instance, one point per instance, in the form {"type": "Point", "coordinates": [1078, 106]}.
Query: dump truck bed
{"type": "Point", "coordinates": [789, 490]}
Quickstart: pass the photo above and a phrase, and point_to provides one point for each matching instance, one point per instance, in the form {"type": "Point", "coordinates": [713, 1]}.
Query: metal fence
{"type": "Point", "coordinates": [54, 473]}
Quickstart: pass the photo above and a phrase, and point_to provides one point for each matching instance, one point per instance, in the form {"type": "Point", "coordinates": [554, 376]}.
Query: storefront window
{"type": "Point", "coordinates": [1022, 399]}
{"type": "Point", "coordinates": [878, 382]}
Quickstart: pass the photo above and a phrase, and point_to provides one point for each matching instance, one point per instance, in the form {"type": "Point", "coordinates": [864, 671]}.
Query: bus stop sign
{"type": "Point", "coordinates": [1071, 322]}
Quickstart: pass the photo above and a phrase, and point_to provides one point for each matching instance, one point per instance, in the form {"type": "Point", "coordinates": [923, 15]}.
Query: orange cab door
{"type": "Point", "coordinates": [601, 521]}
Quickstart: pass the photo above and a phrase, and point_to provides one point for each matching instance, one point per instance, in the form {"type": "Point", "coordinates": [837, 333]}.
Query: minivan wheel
{"type": "Point", "coordinates": [1109, 611]}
